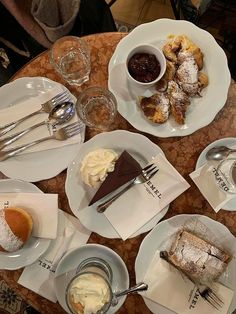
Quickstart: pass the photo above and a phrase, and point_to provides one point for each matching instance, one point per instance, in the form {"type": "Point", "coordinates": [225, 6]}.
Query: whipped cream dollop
{"type": "Point", "coordinates": [91, 291]}
{"type": "Point", "coordinates": [96, 165]}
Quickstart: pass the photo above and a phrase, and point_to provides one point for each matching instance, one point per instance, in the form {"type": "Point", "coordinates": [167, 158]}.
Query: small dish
{"type": "Point", "coordinates": [231, 143]}
{"type": "Point", "coordinates": [68, 265]}
{"type": "Point", "coordinates": [143, 54]}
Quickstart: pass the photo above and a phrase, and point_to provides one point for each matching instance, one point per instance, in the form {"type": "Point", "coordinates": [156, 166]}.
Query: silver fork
{"type": "Point", "coordinates": [45, 107]}
{"type": "Point", "coordinates": [205, 292]}
{"type": "Point", "coordinates": [147, 173]}
{"type": "Point", "coordinates": [60, 135]}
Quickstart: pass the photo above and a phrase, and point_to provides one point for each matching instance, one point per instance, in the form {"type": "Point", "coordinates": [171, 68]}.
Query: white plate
{"type": "Point", "coordinates": [158, 238]}
{"type": "Point", "coordinates": [35, 247]}
{"type": "Point", "coordinates": [66, 269]}
{"type": "Point", "coordinates": [230, 142]}
{"type": "Point", "coordinates": [39, 165]}
{"type": "Point", "coordinates": [79, 196]}
{"type": "Point", "coordinates": [202, 110]}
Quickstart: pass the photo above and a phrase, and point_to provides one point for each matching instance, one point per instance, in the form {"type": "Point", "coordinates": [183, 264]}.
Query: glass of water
{"type": "Point", "coordinates": [97, 108]}
{"type": "Point", "coordinates": [70, 56]}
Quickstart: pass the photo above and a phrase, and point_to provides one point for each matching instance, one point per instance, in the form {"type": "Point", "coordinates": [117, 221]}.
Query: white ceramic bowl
{"type": "Point", "coordinates": [149, 49]}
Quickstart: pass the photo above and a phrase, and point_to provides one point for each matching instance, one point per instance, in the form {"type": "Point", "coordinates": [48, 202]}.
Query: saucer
{"type": "Point", "coordinates": [67, 267]}
{"type": "Point", "coordinates": [231, 143]}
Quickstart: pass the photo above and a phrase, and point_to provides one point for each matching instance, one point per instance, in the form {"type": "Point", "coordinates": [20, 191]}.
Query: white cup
{"type": "Point", "coordinates": [147, 49]}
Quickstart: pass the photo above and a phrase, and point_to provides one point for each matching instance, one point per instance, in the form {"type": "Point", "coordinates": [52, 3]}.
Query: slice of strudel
{"type": "Point", "coordinates": [198, 258]}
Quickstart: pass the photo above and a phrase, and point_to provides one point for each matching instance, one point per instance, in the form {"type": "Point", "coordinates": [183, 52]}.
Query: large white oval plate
{"type": "Point", "coordinates": [158, 238]}
{"type": "Point", "coordinates": [140, 147]}
{"type": "Point", "coordinates": [202, 110]}
{"type": "Point", "coordinates": [36, 166]}
{"type": "Point", "coordinates": [35, 247]}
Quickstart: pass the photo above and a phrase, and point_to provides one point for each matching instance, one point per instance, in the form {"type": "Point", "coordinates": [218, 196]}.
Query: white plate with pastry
{"type": "Point", "coordinates": [162, 235]}
{"type": "Point", "coordinates": [34, 247]}
{"type": "Point", "coordinates": [38, 165]}
{"type": "Point", "coordinates": [229, 142]}
{"type": "Point", "coordinates": [202, 110]}
{"type": "Point", "coordinates": [79, 194]}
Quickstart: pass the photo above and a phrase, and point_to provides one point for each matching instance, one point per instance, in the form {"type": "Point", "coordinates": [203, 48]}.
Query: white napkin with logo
{"type": "Point", "coordinates": [39, 277]}
{"type": "Point", "coordinates": [42, 207]}
{"type": "Point", "coordinates": [171, 289]}
{"type": "Point", "coordinates": [205, 178]}
{"type": "Point", "coordinates": [26, 107]}
{"type": "Point", "coordinates": [142, 202]}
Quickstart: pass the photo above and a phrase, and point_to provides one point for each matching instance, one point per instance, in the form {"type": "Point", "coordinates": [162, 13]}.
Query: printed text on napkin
{"type": "Point", "coordinates": [143, 201]}
{"type": "Point", "coordinates": [43, 209]}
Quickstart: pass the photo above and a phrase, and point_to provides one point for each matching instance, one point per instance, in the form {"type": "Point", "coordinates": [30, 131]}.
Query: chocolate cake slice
{"type": "Point", "coordinates": [126, 169]}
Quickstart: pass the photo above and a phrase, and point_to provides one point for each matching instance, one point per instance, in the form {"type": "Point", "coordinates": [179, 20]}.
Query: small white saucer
{"type": "Point", "coordinates": [231, 143]}
{"type": "Point", "coordinates": [67, 266]}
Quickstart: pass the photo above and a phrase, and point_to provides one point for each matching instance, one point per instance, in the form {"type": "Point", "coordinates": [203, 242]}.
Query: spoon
{"type": "Point", "coordinates": [139, 287]}
{"type": "Point", "coordinates": [219, 153]}
{"type": "Point", "coordinates": [60, 114]}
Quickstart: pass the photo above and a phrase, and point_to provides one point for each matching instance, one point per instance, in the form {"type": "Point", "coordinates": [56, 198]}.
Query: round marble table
{"type": "Point", "coordinates": [182, 152]}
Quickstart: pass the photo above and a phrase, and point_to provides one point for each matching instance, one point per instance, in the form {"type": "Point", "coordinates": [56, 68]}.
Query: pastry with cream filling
{"type": "Point", "coordinates": [15, 228]}
{"type": "Point", "coordinates": [198, 258]}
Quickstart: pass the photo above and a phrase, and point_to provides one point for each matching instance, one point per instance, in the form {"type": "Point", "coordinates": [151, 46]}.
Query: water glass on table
{"type": "Point", "coordinates": [70, 56]}
{"type": "Point", "coordinates": [97, 108]}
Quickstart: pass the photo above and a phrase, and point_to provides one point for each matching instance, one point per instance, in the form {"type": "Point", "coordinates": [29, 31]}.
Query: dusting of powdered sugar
{"type": "Point", "coordinates": [164, 104]}
{"type": "Point", "coordinates": [8, 241]}
{"type": "Point", "coordinates": [188, 71]}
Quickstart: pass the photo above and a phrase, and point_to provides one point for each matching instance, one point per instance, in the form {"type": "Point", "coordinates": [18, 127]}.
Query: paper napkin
{"type": "Point", "coordinates": [39, 277]}
{"type": "Point", "coordinates": [142, 202]}
{"type": "Point", "coordinates": [26, 107]}
{"type": "Point", "coordinates": [164, 281]}
{"type": "Point", "coordinates": [205, 178]}
{"type": "Point", "coordinates": [42, 207]}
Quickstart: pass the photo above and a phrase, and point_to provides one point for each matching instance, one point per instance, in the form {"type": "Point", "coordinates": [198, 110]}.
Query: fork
{"type": "Point", "coordinates": [147, 173]}
{"type": "Point", "coordinates": [45, 107]}
{"type": "Point", "coordinates": [60, 135]}
{"type": "Point", "coordinates": [205, 292]}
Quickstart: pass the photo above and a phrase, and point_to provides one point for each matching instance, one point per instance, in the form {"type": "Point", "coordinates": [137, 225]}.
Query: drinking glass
{"type": "Point", "coordinates": [90, 270]}
{"type": "Point", "coordinates": [70, 56]}
{"type": "Point", "coordinates": [225, 175]}
{"type": "Point", "coordinates": [97, 107]}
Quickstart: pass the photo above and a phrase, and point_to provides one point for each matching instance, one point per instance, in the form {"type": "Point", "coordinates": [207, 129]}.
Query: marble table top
{"type": "Point", "coordinates": [182, 152]}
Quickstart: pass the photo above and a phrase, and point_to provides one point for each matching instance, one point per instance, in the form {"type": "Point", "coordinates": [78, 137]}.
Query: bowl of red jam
{"type": "Point", "coordinates": [145, 65]}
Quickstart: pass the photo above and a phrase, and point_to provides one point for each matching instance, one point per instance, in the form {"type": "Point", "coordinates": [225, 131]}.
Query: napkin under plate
{"type": "Point", "coordinates": [39, 277]}
{"type": "Point", "coordinates": [43, 209]}
{"type": "Point", "coordinates": [30, 105]}
{"type": "Point", "coordinates": [142, 202]}
{"type": "Point", "coordinates": [164, 281]}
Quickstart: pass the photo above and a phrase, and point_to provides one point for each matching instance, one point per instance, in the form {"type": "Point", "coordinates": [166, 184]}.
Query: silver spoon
{"type": "Point", "coordinates": [60, 114]}
{"type": "Point", "coordinates": [219, 153]}
{"type": "Point", "coordinates": [139, 287]}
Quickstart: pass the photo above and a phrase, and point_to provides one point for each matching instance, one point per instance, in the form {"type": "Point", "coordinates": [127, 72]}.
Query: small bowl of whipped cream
{"type": "Point", "coordinates": [89, 293]}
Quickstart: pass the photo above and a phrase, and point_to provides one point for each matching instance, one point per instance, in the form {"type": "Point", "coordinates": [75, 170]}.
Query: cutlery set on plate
{"type": "Point", "coordinates": [60, 109]}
